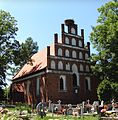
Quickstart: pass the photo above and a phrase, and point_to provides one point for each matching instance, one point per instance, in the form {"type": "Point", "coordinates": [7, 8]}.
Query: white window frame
{"type": "Point", "coordinates": [67, 40]}
{"type": "Point", "coordinates": [67, 66]}
{"type": "Point", "coordinates": [53, 64]}
{"type": "Point", "coordinates": [74, 54]}
{"type": "Point", "coordinates": [87, 68]}
{"type": "Point", "coordinates": [73, 41]}
{"type": "Point", "coordinates": [67, 53]}
{"type": "Point", "coordinates": [81, 67]}
{"type": "Point", "coordinates": [80, 43]}
{"type": "Point", "coordinates": [86, 56]}
{"type": "Point", "coordinates": [59, 52]}
{"type": "Point", "coordinates": [89, 83]}
{"type": "Point", "coordinates": [73, 30]}
{"type": "Point", "coordinates": [60, 65]}
{"type": "Point", "coordinates": [80, 55]}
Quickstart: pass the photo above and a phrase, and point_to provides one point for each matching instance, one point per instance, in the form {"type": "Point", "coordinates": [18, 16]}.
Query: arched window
{"type": "Point", "coordinates": [80, 55]}
{"type": "Point", "coordinates": [74, 80]}
{"type": "Point", "coordinates": [81, 67]}
{"type": "Point", "coordinates": [74, 55]}
{"type": "Point", "coordinates": [80, 43]}
{"type": "Point", "coordinates": [75, 71]}
{"type": "Point", "coordinates": [67, 66]}
{"type": "Point", "coordinates": [53, 64]}
{"type": "Point", "coordinates": [66, 40]}
{"type": "Point", "coordinates": [72, 30]}
{"type": "Point", "coordinates": [63, 82]}
{"type": "Point", "coordinates": [87, 83]}
{"type": "Point", "coordinates": [86, 56]}
{"type": "Point", "coordinates": [67, 53]}
{"type": "Point", "coordinates": [60, 65]}
{"type": "Point", "coordinates": [73, 41]}
{"type": "Point", "coordinates": [74, 68]}
{"type": "Point", "coordinates": [87, 68]}
{"type": "Point", "coordinates": [59, 52]}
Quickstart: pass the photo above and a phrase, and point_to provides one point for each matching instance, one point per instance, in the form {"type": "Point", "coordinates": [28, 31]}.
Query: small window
{"type": "Point", "coordinates": [74, 68]}
{"type": "Point", "coordinates": [87, 83]}
{"type": "Point", "coordinates": [72, 30]}
{"type": "Point", "coordinates": [74, 80]}
{"type": "Point", "coordinates": [67, 53]}
{"type": "Point", "coordinates": [53, 64]}
{"type": "Point", "coordinates": [74, 55]}
{"type": "Point", "coordinates": [63, 83]}
{"type": "Point", "coordinates": [59, 52]}
{"type": "Point", "coordinates": [87, 68]}
{"type": "Point", "coordinates": [80, 43]}
{"type": "Point", "coordinates": [81, 67]}
{"type": "Point", "coordinates": [80, 55]}
{"type": "Point", "coordinates": [67, 66]}
{"type": "Point", "coordinates": [73, 41]}
{"type": "Point", "coordinates": [66, 40]}
{"type": "Point", "coordinates": [86, 56]}
{"type": "Point", "coordinates": [60, 65]}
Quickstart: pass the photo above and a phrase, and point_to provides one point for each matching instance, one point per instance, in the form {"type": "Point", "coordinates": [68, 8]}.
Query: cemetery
{"type": "Point", "coordinates": [57, 111]}
{"type": "Point", "coordinates": [65, 80]}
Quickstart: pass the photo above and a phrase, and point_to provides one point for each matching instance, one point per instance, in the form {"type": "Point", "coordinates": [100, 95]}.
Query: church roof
{"type": "Point", "coordinates": [39, 61]}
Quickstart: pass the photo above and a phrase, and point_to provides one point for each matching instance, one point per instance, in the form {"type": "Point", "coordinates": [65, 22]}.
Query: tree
{"type": "Point", "coordinates": [104, 37]}
{"type": "Point", "coordinates": [24, 53]}
{"type": "Point", "coordinates": [8, 29]}
{"type": "Point", "coordinates": [12, 53]}
{"type": "Point", "coordinates": [105, 90]}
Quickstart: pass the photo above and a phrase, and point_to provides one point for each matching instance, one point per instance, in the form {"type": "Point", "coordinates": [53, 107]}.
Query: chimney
{"type": "Point", "coordinates": [62, 28]}
{"type": "Point", "coordinates": [48, 50]}
{"type": "Point", "coordinates": [56, 38]}
{"type": "Point", "coordinates": [82, 33]}
{"type": "Point", "coordinates": [88, 45]}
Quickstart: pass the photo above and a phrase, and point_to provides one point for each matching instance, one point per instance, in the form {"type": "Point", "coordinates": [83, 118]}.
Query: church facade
{"type": "Point", "coordinates": [59, 72]}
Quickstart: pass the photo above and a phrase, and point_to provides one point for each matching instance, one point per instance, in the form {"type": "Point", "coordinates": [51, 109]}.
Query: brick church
{"type": "Point", "coordinates": [61, 71]}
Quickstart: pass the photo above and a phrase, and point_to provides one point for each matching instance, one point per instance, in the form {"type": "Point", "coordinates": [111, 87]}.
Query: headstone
{"type": "Point", "coordinates": [41, 109]}
{"type": "Point", "coordinates": [49, 105]}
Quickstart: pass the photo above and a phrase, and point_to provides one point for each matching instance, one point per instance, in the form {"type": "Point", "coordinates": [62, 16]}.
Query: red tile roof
{"type": "Point", "coordinates": [39, 62]}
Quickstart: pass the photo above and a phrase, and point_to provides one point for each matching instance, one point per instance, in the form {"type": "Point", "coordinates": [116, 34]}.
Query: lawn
{"type": "Point", "coordinates": [24, 113]}
{"type": "Point", "coordinates": [66, 118]}
{"type": "Point", "coordinates": [16, 116]}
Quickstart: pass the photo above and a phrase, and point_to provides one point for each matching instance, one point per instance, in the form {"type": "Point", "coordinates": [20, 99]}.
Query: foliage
{"type": "Point", "coordinates": [13, 55]}
{"type": "Point", "coordinates": [105, 39]}
{"type": "Point", "coordinates": [6, 93]}
{"type": "Point", "coordinates": [105, 90]}
{"type": "Point", "coordinates": [8, 29]}
{"type": "Point", "coordinates": [26, 50]}
{"type": "Point", "coordinates": [1, 94]}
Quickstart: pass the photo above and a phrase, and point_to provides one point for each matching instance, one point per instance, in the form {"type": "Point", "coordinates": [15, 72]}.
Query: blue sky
{"type": "Point", "coordinates": [40, 19]}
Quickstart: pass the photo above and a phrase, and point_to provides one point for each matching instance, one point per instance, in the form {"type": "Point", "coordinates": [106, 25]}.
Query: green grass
{"type": "Point", "coordinates": [15, 115]}
{"type": "Point", "coordinates": [66, 118]}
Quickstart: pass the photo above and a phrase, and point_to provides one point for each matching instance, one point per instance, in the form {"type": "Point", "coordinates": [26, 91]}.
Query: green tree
{"type": "Point", "coordinates": [104, 37]}
{"type": "Point", "coordinates": [8, 29]}
{"type": "Point", "coordinates": [24, 53]}
{"type": "Point", "coordinates": [12, 53]}
{"type": "Point", "coordinates": [105, 90]}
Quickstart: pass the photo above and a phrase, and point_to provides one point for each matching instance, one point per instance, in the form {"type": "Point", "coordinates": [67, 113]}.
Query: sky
{"type": "Point", "coordinates": [41, 19]}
